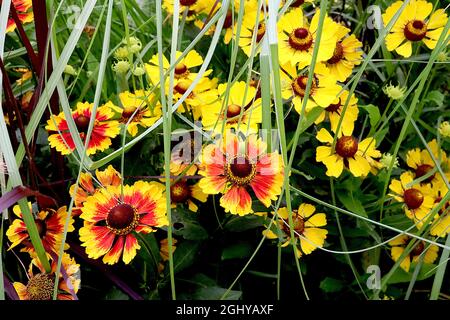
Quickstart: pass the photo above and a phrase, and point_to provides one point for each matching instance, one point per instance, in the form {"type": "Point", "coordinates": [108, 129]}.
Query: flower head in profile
{"type": "Point", "coordinates": [40, 284]}
{"type": "Point", "coordinates": [139, 109]}
{"type": "Point", "coordinates": [253, 30]}
{"type": "Point", "coordinates": [444, 129]}
{"type": "Point", "coordinates": [399, 244]}
{"type": "Point", "coordinates": [421, 162]}
{"type": "Point", "coordinates": [24, 12]}
{"type": "Point", "coordinates": [193, 7]}
{"type": "Point", "coordinates": [50, 225]}
{"type": "Point", "coordinates": [242, 112]}
{"type": "Point", "coordinates": [86, 187]}
{"type": "Point", "coordinates": [440, 227]}
{"type": "Point", "coordinates": [356, 156]}
{"type": "Point", "coordinates": [414, 25]}
{"type": "Point", "coordinates": [103, 131]}
{"type": "Point", "coordinates": [324, 89]}
{"type": "Point", "coordinates": [111, 219]}
{"type": "Point", "coordinates": [347, 54]}
{"type": "Point", "coordinates": [417, 198]}
{"type": "Point", "coordinates": [235, 166]}
{"type": "Point", "coordinates": [298, 37]}
{"type": "Point", "coordinates": [307, 226]}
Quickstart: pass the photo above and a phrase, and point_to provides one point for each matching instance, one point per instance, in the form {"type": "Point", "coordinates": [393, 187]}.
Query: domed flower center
{"type": "Point", "coordinates": [338, 54]}
{"type": "Point", "coordinates": [347, 146]}
{"type": "Point", "coordinates": [261, 32]}
{"type": "Point", "coordinates": [228, 20]}
{"type": "Point", "coordinates": [181, 70]}
{"type": "Point", "coordinates": [187, 2]}
{"type": "Point", "coordinates": [298, 224]}
{"type": "Point", "coordinates": [334, 107]}
{"type": "Point", "coordinates": [297, 3]}
{"type": "Point", "coordinates": [299, 85]}
{"type": "Point", "coordinates": [40, 287]}
{"type": "Point", "coordinates": [418, 248]}
{"type": "Point", "coordinates": [240, 171]}
{"type": "Point", "coordinates": [128, 112]}
{"type": "Point", "coordinates": [413, 198]}
{"type": "Point", "coordinates": [444, 208]}
{"type": "Point", "coordinates": [182, 87]}
{"type": "Point", "coordinates": [233, 110]}
{"type": "Point", "coordinates": [415, 30]}
{"type": "Point", "coordinates": [300, 39]}
{"type": "Point", "coordinates": [122, 219]}
{"type": "Point", "coordinates": [422, 170]}
{"type": "Point", "coordinates": [41, 227]}
{"type": "Point", "coordinates": [180, 192]}
{"type": "Point", "coordinates": [82, 123]}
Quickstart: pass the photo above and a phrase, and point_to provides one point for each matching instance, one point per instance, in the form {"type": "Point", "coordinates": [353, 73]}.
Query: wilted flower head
{"type": "Point", "coordinates": [121, 66]}
{"type": "Point", "coordinates": [133, 43]}
{"type": "Point", "coordinates": [394, 92]}
{"type": "Point", "coordinates": [139, 71]}
{"type": "Point", "coordinates": [121, 53]}
{"type": "Point", "coordinates": [444, 129]}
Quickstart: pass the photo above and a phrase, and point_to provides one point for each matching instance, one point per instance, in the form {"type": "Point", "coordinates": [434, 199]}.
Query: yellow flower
{"type": "Point", "coordinates": [444, 129]}
{"type": "Point", "coordinates": [394, 92]}
{"type": "Point", "coordinates": [252, 23]}
{"type": "Point", "coordinates": [164, 252]}
{"type": "Point", "coordinates": [422, 163]}
{"type": "Point", "coordinates": [356, 156]}
{"type": "Point", "coordinates": [412, 26]}
{"type": "Point", "coordinates": [441, 224]}
{"type": "Point", "coordinates": [141, 107]}
{"type": "Point", "coordinates": [193, 7]}
{"type": "Point", "coordinates": [308, 231]}
{"type": "Point", "coordinates": [334, 112]}
{"type": "Point", "coordinates": [324, 89]}
{"type": "Point", "coordinates": [398, 247]}
{"type": "Point", "coordinates": [298, 38]}
{"type": "Point", "coordinates": [417, 198]}
{"type": "Point", "coordinates": [346, 55]}
{"type": "Point", "coordinates": [243, 111]}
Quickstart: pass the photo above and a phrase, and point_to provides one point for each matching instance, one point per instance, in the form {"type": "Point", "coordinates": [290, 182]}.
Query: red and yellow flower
{"type": "Point", "coordinates": [297, 38]}
{"type": "Point", "coordinates": [103, 131]}
{"type": "Point", "coordinates": [350, 153]}
{"type": "Point", "coordinates": [50, 225]}
{"type": "Point", "coordinates": [40, 284]}
{"type": "Point", "coordinates": [413, 26]}
{"type": "Point", "coordinates": [307, 226]}
{"type": "Point", "coordinates": [23, 11]}
{"type": "Point", "coordinates": [417, 198]}
{"type": "Point", "coordinates": [235, 165]}
{"type": "Point", "coordinates": [86, 187]}
{"type": "Point", "coordinates": [111, 218]}
{"type": "Point", "coordinates": [399, 244]}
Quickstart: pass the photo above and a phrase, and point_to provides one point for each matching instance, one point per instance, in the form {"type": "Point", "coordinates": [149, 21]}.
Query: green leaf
{"type": "Point", "coordinates": [374, 113]}
{"type": "Point", "coordinates": [184, 255]}
{"type": "Point", "coordinates": [399, 221]}
{"type": "Point", "coordinates": [435, 96]}
{"type": "Point", "coordinates": [310, 118]}
{"type": "Point", "coordinates": [331, 285]}
{"type": "Point", "coordinates": [239, 224]}
{"type": "Point", "coordinates": [186, 225]}
{"type": "Point", "coordinates": [351, 201]}
{"type": "Point", "coordinates": [237, 251]}
{"type": "Point", "coordinates": [401, 276]}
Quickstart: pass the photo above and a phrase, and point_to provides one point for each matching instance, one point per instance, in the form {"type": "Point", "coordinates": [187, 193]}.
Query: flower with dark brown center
{"type": "Point", "coordinates": [297, 3]}
{"type": "Point", "coordinates": [187, 2]}
{"type": "Point", "coordinates": [228, 20]}
{"type": "Point", "coordinates": [415, 30]}
{"type": "Point", "coordinates": [240, 170]}
{"type": "Point", "coordinates": [347, 146]}
{"type": "Point", "coordinates": [338, 54]}
{"type": "Point", "coordinates": [82, 123]}
{"type": "Point", "coordinates": [299, 85]}
{"type": "Point", "coordinates": [128, 112]}
{"type": "Point", "coordinates": [40, 287]}
{"type": "Point", "coordinates": [181, 87]}
{"type": "Point", "coordinates": [122, 219]}
{"type": "Point", "coordinates": [261, 32]}
{"type": "Point", "coordinates": [181, 70]}
{"type": "Point", "coordinates": [233, 110]}
{"type": "Point", "coordinates": [300, 39]}
{"type": "Point", "coordinates": [180, 191]}
{"type": "Point", "coordinates": [413, 198]}
{"type": "Point", "coordinates": [418, 248]}
{"type": "Point", "coordinates": [41, 227]}
{"type": "Point", "coordinates": [422, 170]}
{"type": "Point", "coordinates": [298, 224]}
{"type": "Point", "coordinates": [334, 107]}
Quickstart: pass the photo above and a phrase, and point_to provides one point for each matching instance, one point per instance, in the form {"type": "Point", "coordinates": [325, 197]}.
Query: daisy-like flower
{"type": "Point", "coordinates": [184, 191]}
{"type": "Point", "coordinates": [235, 165]}
{"type": "Point", "coordinates": [324, 89]}
{"type": "Point", "coordinates": [193, 7]}
{"type": "Point", "coordinates": [417, 199]}
{"type": "Point", "coordinates": [422, 163]}
{"type": "Point", "coordinates": [346, 55]}
{"type": "Point", "coordinates": [183, 70]}
{"type": "Point", "coordinates": [334, 112]}
{"type": "Point", "coordinates": [297, 3]}
{"type": "Point", "coordinates": [23, 11]}
{"type": "Point", "coordinates": [164, 252]}
{"type": "Point", "coordinates": [243, 111]}
{"type": "Point", "coordinates": [413, 26]}
{"type": "Point", "coordinates": [441, 224]}
{"type": "Point", "coordinates": [298, 38]}
{"type": "Point", "coordinates": [185, 155]}
{"type": "Point", "coordinates": [308, 231]}
{"type": "Point", "coordinates": [50, 225]}
{"type": "Point", "coordinates": [251, 23]}
{"type": "Point", "coordinates": [86, 188]}
{"type": "Point", "coordinates": [110, 219]}
{"type": "Point", "coordinates": [398, 247]}
{"type": "Point", "coordinates": [148, 110]}
{"type": "Point", "coordinates": [103, 131]}
{"type": "Point", "coordinates": [350, 153]}
{"type": "Point", "coordinates": [40, 284]}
